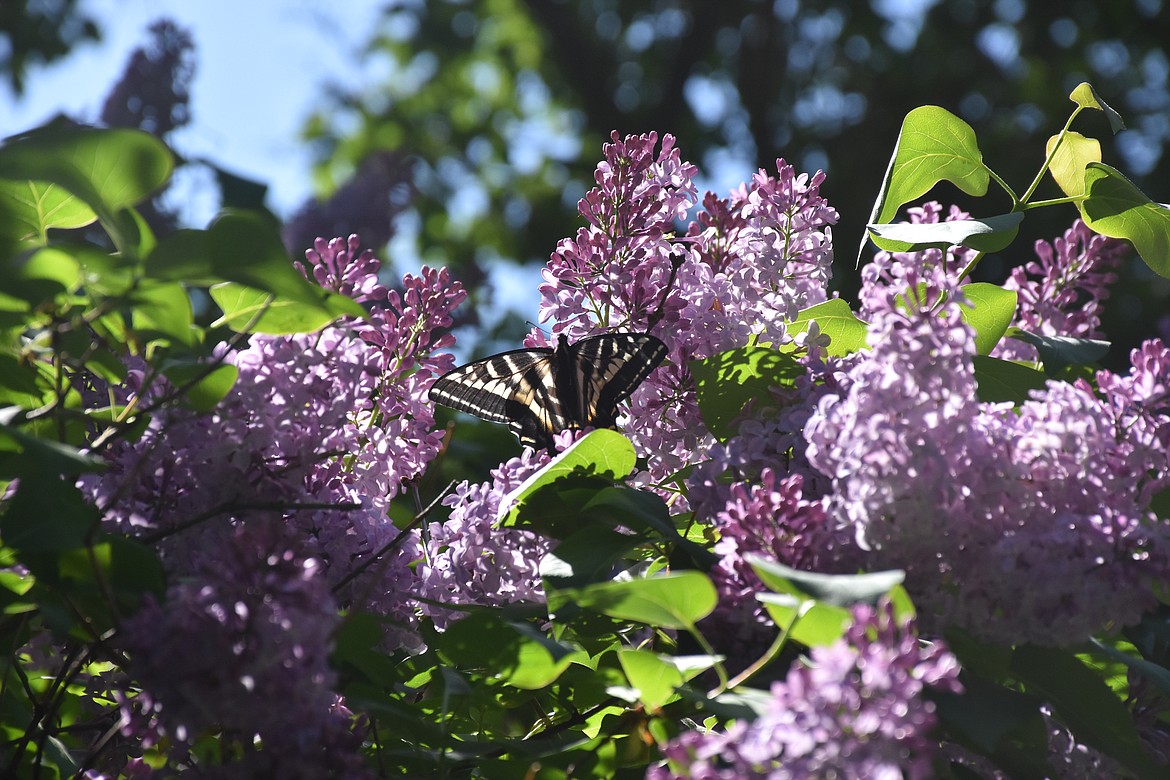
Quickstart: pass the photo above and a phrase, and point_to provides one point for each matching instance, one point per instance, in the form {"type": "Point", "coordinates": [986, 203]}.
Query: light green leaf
{"type": "Point", "coordinates": [675, 600]}
{"type": "Point", "coordinates": [279, 316]}
{"type": "Point", "coordinates": [1085, 96]}
{"type": "Point", "coordinates": [983, 235]}
{"type": "Point", "coordinates": [934, 145]}
{"type": "Point", "coordinates": [818, 624]}
{"type": "Point", "coordinates": [653, 676]}
{"type": "Point", "coordinates": [728, 382]}
{"type": "Point", "coordinates": [836, 320]}
{"type": "Point", "coordinates": [1114, 207]}
{"type": "Point", "coordinates": [30, 208]}
{"type": "Point", "coordinates": [204, 389]}
{"type": "Point", "coordinates": [1071, 159]}
{"type": "Point", "coordinates": [109, 169]}
{"type": "Point", "coordinates": [602, 453]}
{"type": "Point", "coordinates": [990, 313]}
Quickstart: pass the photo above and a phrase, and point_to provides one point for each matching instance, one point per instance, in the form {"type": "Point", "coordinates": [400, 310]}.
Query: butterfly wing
{"type": "Point", "coordinates": [610, 366]}
{"type": "Point", "coordinates": [515, 387]}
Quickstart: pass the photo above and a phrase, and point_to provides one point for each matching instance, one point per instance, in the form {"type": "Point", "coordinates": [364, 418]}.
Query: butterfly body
{"type": "Point", "coordinates": [541, 391]}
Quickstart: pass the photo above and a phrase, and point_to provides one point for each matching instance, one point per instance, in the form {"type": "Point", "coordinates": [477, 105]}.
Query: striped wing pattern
{"type": "Point", "coordinates": [540, 392]}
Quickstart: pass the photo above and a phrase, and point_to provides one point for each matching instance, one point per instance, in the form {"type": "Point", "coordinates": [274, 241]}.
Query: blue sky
{"type": "Point", "coordinates": [259, 66]}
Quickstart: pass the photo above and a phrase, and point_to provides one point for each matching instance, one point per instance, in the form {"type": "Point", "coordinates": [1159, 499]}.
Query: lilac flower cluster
{"type": "Point", "coordinates": [242, 647]}
{"type": "Point", "coordinates": [304, 454]}
{"type": "Point", "coordinates": [1070, 282]}
{"type": "Point", "coordinates": [856, 710]}
{"type": "Point", "coordinates": [1019, 526]}
{"type": "Point", "coordinates": [747, 265]}
{"type": "Point", "coordinates": [468, 561]}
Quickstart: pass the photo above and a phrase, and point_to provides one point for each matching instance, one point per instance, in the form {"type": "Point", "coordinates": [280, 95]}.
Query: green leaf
{"type": "Point", "coordinates": [1059, 352]}
{"type": "Point", "coordinates": [1114, 207]}
{"type": "Point", "coordinates": [30, 208]}
{"type": "Point", "coordinates": [842, 590]}
{"type": "Point", "coordinates": [990, 313]}
{"type": "Point", "coordinates": [259, 312]}
{"type": "Point", "coordinates": [817, 624]}
{"type": "Point", "coordinates": [1085, 96]}
{"type": "Point", "coordinates": [1084, 703]}
{"type": "Point", "coordinates": [729, 382]}
{"type": "Point", "coordinates": [934, 145]}
{"type": "Point", "coordinates": [1002, 380]}
{"type": "Point", "coordinates": [1158, 675]}
{"type": "Point", "coordinates": [602, 454]}
{"type": "Point", "coordinates": [108, 169]}
{"type": "Point", "coordinates": [585, 557]}
{"type": "Point", "coordinates": [675, 600]}
{"type": "Point", "coordinates": [998, 722]}
{"type": "Point", "coordinates": [834, 319]}
{"type": "Point", "coordinates": [983, 235]}
{"type": "Point", "coordinates": [655, 677]}
{"type": "Point", "coordinates": [509, 652]}
{"type": "Point", "coordinates": [204, 387]}
{"type": "Point", "coordinates": [1071, 159]}
{"type": "Point", "coordinates": [163, 310]}
{"type": "Point", "coordinates": [183, 256]}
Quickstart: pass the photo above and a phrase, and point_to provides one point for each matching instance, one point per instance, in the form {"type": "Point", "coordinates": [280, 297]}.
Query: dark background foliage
{"type": "Point", "coordinates": [491, 121]}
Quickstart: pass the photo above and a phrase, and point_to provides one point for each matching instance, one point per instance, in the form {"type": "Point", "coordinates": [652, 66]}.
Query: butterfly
{"type": "Point", "coordinates": [539, 392]}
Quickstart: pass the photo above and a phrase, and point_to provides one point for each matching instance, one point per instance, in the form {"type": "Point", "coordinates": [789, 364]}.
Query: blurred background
{"type": "Point", "coordinates": [463, 133]}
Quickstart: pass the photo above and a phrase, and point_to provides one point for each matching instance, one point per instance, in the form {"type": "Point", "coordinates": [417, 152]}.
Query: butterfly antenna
{"type": "Point", "coordinates": [676, 261]}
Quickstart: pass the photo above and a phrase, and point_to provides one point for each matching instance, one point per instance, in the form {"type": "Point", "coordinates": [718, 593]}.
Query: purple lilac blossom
{"type": "Point", "coordinates": [1027, 526]}
{"type": "Point", "coordinates": [1069, 283]}
{"type": "Point", "coordinates": [247, 631]}
{"type": "Point", "coordinates": [745, 266]}
{"type": "Point", "coordinates": [467, 560]}
{"type": "Point", "coordinates": [769, 517]}
{"type": "Point", "coordinates": [855, 710]}
{"type": "Point", "coordinates": [316, 437]}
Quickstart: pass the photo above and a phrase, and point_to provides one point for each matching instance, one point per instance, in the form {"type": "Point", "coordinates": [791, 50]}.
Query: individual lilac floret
{"type": "Point", "coordinates": [1069, 283]}
{"type": "Point", "coordinates": [856, 710]}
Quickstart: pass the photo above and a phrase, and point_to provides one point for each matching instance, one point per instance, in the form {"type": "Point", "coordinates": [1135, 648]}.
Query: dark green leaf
{"type": "Point", "coordinates": [1059, 352]}
{"type": "Point", "coordinates": [1084, 703]}
{"type": "Point", "coordinates": [1003, 380]}
{"type": "Point", "coordinates": [163, 310]}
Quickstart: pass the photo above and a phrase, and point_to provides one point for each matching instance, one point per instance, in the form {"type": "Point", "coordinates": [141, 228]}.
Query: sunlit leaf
{"type": "Point", "coordinates": [675, 600]}
{"type": "Point", "coordinates": [836, 320]}
{"type": "Point", "coordinates": [840, 590]}
{"type": "Point", "coordinates": [729, 382]}
{"type": "Point", "coordinates": [1114, 207]}
{"type": "Point", "coordinates": [1084, 95]}
{"type": "Point", "coordinates": [1071, 159]}
{"type": "Point", "coordinates": [934, 145]}
{"type": "Point", "coordinates": [983, 235]}
{"type": "Point", "coordinates": [990, 313]}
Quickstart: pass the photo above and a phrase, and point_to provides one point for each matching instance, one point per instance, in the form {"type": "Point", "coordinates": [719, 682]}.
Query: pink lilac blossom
{"type": "Point", "coordinates": [1069, 283]}
{"type": "Point", "coordinates": [856, 710]}
{"type": "Point", "coordinates": [1027, 526]}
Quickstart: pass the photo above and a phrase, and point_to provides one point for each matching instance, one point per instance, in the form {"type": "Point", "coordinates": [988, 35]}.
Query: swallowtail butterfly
{"type": "Point", "coordinates": [539, 392]}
